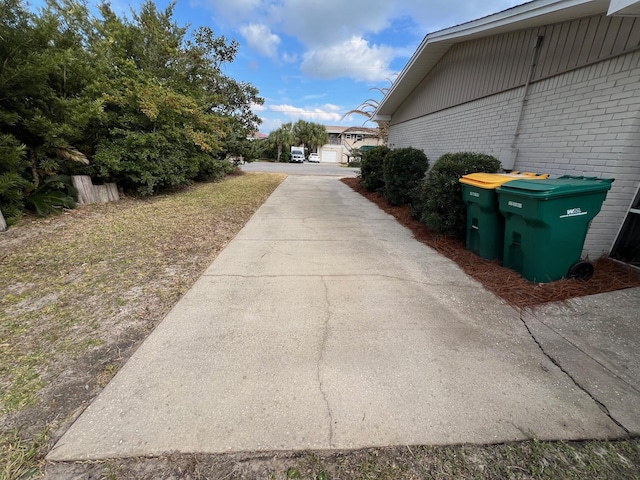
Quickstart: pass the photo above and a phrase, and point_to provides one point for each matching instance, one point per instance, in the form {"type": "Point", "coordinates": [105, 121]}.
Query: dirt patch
{"type": "Point", "coordinates": [609, 275]}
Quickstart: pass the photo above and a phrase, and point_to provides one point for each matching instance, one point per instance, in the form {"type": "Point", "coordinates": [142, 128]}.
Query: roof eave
{"type": "Point", "coordinates": [435, 45]}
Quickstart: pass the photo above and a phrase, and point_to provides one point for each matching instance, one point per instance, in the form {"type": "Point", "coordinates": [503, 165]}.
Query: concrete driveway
{"type": "Point", "coordinates": [324, 324]}
{"type": "Point", "coordinates": [316, 169]}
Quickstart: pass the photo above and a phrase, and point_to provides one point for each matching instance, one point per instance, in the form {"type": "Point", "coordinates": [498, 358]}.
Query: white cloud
{"type": "Point", "coordinates": [325, 113]}
{"type": "Point", "coordinates": [325, 22]}
{"type": "Point", "coordinates": [317, 23]}
{"type": "Point", "coordinates": [270, 124]}
{"type": "Point", "coordinates": [354, 59]}
{"type": "Point", "coordinates": [260, 38]}
{"type": "Point", "coordinates": [289, 57]}
{"type": "Point", "coordinates": [353, 39]}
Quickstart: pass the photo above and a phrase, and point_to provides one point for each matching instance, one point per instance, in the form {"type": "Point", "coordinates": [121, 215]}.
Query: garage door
{"type": "Point", "coordinates": [329, 156]}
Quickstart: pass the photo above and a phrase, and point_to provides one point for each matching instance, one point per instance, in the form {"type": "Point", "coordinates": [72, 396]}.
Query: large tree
{"type": "Point", "coordinates": [42, 78]}
{"type": "Point", "coordinates": [169, 105]}
{"type": "Point", "coordinates": [43, 110]}
{"type": "Point", "coordinates": [140, 98]}
{"type": "Point", "coordinates": [319, 136]}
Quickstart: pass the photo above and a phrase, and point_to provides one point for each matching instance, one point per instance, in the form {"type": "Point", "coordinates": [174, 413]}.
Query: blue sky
{"type": "Point", "coordinates": [317, 59]}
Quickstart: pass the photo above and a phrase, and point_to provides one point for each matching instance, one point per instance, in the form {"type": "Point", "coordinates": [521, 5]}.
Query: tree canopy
{"type": "Point", "coordinates": [141, 101]}
{"type": "Point", "coordinates": [310, 135]}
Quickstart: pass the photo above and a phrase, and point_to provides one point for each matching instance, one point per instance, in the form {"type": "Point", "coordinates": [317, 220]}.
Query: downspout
{"type": "Point", "coordinates": [508, 157]}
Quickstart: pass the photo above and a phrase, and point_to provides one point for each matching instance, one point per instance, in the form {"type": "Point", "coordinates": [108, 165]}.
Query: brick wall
{"type": "Point", "coordinates": [584, 122]}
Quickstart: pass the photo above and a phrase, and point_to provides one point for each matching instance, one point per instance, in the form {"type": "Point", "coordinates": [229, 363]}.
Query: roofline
{"type": "Point", "coordinates": [435, 45]}
{"type": "Point", "coordinates": [340, 130]}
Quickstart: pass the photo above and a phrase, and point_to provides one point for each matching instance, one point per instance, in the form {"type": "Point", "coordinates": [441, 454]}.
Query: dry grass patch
{"type": "Point", "coordinates": [83, 289]}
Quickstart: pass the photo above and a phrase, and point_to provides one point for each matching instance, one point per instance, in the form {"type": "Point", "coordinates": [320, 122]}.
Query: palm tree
{"type": "Point", "coordinates": [302, 133]}
{"type": "Point", "coordinates": [282, 136]}
{"type": "Point", "coordinates": [367, 109]}
{"type": "Point", "coordinates": [319, 136]}
{"type": "Point", "coordinates": [310, 134]}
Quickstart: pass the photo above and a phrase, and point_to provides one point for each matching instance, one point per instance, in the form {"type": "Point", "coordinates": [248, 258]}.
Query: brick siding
{"type": "Point", "coordinates": [584, 122]}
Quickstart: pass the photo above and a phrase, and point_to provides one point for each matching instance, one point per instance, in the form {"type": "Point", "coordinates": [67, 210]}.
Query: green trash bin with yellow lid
{"type": "Point", "coordinates": [546, 223]}
{"type": "Point", "coordinates": [485, 224]}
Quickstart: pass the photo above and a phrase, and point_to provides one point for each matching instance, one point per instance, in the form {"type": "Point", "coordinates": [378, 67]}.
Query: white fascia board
{"type": "Point", "coordinates": [629, 8]}
{"type": "Point", "coordinates": [435, 45]}
{"type": "Point", "coordinates": [533, 13]}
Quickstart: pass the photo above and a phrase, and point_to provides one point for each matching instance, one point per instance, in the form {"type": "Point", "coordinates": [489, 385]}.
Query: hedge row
{"type": "Point", "coordinates": [435, 196]}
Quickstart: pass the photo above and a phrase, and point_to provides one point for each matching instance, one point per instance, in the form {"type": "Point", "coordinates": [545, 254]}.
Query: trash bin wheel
{"type": "Point", "coordinates": [581, 270]}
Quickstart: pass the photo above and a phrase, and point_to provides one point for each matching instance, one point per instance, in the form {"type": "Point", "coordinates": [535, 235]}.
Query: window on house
{"type": "Point", "coordinates": [627, 246]}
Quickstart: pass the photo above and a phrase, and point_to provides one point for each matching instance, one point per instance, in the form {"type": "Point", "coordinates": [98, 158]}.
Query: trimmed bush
{"type": "Point", "coordinates": [371, 168]}
{"type": "Point", "coordinates": [439, 202]}
{"type": "Point", "coordinates": [403, 170]}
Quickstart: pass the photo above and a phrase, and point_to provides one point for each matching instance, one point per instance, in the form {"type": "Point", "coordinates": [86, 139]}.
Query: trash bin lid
{"type": "Point", "coordinates": [557, 187]}
{"type": "Point", "coordinates": [490, 181]}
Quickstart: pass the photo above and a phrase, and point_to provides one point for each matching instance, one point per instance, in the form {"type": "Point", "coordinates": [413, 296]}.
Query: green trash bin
{"type": "Point", "coordinates": [485, 224]}
{"type": "Point", "coordinates": [546, 223]}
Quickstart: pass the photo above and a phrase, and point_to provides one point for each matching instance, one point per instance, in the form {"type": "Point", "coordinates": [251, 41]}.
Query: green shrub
{"type": "Point", "coordinates": [13, 182]}
{"type": "Point", "coordinates": [147, 162]}
{"type": "Point", "coordinates": [403, 170]}
{"type": "Point", "coordinates": [52, 195]}
{"type": "Point", "coordinates": [439, 202]}
{"type": "Point", "coordinates": [213, 169]}
{"type": "Point", "coordinates": [371, 168]}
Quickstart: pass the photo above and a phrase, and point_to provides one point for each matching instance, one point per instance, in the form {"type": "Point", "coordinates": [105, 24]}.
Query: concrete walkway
{"type": "Point", "coordinates": [325, 324]}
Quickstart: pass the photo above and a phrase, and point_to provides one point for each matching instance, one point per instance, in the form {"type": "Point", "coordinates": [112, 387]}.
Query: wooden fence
{"type": "Point", "coordinates": [87, 193]}
{"type": "Point", "coordinates": [90, 193]}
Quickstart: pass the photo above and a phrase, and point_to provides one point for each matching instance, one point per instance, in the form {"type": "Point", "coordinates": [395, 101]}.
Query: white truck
{"type": "Point", "coordinates": [297, 154]}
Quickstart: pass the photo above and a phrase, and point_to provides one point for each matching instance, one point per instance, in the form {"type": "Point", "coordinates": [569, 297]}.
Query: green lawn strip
{"type": "Point", "coordinates": [21, 459]}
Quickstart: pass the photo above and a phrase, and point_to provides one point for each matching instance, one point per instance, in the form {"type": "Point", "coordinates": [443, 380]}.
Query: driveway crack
{"type": "Point", "coordinates": [323, 348]}
{"type": "Point", "coordinates": [602, 406]}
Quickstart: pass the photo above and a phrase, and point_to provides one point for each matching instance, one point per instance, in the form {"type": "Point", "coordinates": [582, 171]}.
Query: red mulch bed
{"type": "Point", "coordinates": [609, 275]}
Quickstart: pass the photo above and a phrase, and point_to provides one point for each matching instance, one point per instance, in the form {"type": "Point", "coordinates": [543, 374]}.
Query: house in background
{"type": "Point", "coordinates": [257, 136]}
{"type": "Point", "coordinates": [345, 141]}
{"type": "Point", "coordinates": [550, 86]}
